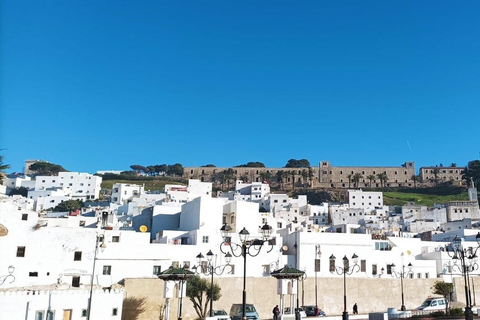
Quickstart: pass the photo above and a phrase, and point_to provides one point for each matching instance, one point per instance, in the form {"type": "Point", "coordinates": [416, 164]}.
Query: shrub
{"type": "Point", "coordinates": [456, 312]}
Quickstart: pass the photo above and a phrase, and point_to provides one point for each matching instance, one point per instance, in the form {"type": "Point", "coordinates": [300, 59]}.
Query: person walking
{"type": "Point", "coordinates": [355, 308]}
{"type": "Point", "coordinates": [276, 312]}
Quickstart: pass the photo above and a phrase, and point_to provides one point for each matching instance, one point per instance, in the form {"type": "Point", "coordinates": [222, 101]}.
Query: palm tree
{"type": "Point", "coordinates": [304, 174]}
{"type": "Point", "coordinates": [3, 167]}
{"type": "Point", "coordinates": [371, 177]}
{"type": "Point", "coordinates": [349, 180]}
{"type": "Point", "coordinates": [292, 174]}
{"type": "Point", "coordinates": [356, 178]}
{"type": "Point", "coordinates": [383, 178]}
{"type": "Point", "coordinates": [436, 171]}
{"type": "Point", "coordinates": [279, 175]}
{"type": "Point", "coordinates": [244, 178]}
{"type": "Point", "coordinates": [311, 174]}
{"type": "Point", "coordinates": [415, 178]}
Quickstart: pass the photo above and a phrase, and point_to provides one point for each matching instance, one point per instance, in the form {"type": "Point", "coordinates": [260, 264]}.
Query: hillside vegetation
{"type": "Point", "coordinates": [401, 198]}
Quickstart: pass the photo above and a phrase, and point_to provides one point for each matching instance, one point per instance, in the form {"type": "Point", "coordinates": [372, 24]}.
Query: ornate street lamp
{"type": "Point", "coordinates": [99, 243]}
{"type": "Point", "coordinates": [245, 248]}
{"type": "Point", "coordinates": [210, 269]}
{"type": "Point", "coordinates": [345, 269]}
{"type": "Point", "coordinates": [10, 275]}
{"type": "Point", "coordinates": [402, 275]}
{"type": "Point", "coordinates": [318, 254]}
{"type": "Point", "coordinates": [467, 257]}
{"type": "Point", "coordinates": [180, 276]}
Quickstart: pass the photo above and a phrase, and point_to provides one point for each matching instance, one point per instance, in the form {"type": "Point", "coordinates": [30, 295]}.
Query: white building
{"type": "Point", "coordinates": [364, 200]}
{"type": "Point", "coordinates": [83, 186]}
{"type": "Point", "coordinates": [122, 192]}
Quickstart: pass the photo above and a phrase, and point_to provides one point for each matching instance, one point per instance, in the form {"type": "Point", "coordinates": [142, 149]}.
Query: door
{"type": "Point", "coordinates": [67, 314]}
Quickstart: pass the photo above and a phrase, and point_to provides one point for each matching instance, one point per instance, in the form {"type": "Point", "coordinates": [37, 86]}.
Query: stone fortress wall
{"type": "Point", "coordinates": [328, 176]}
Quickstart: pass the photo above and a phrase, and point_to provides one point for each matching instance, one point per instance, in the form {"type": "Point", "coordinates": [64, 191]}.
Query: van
{"type": "Point", "coordinates": [237, 309]}
{"type": "Point", "coordinates": [433, 304]}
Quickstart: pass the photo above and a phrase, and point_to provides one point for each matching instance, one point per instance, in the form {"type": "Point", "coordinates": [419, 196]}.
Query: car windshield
{"type": "Point", "coordinates": [426, 303]}
{"type": "Point", "coordinates": [219, 312]}
{"type": "Point", "coordinates": [310, 308]}
{"type": "Point", "coordinates": [250, 309]}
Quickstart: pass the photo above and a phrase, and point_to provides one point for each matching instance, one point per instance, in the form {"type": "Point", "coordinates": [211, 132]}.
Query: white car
{"type": "Point", "coordinates": [303, 314]}
{"type": "Point", "coordinates": [433, 304]}
{"type": "Point", "coordinates": [219, 314]}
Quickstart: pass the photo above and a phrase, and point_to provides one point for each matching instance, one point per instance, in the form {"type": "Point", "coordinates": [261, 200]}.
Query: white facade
{"type": "Point", "coordinates": [364, 200]}
{"type": "Point", "coordinates": [64, 304]}
{"type": "Point", "coordinates": [122, 192]}
{"type": "Point", "coordinates": [83, 186]}
{"type": "Point", "coordinates": [16, 182]}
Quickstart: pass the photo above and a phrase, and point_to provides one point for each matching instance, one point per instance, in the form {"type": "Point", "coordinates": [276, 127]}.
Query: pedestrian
{"type": "Point", "coordinates": [355, 308]}
{"type": "Point", "coordinates": [276, 312]}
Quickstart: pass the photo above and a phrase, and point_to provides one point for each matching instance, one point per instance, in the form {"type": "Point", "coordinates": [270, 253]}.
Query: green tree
{"type": "Point", "coordinates": [3, 167]}
{"type": "Point", "coordinates": [227, 176]}
{"type": "Point", "coordinates": [371, 178]}
{"type": "Point", "coordinates": [42, 168]}
{"type": "Point", "coordinates": [279, 176]}
{"type": "Point", "coordinates": [444, 289]}
{"type": "Point", "coordinates": [255, 164]}
{"type": "Point", "coordinates": [294, 163]}
{"type": "Point", "coordinates": [349, 177]}
{"type": "Point", "coordinates": [356, 179]}
{"type": "Point", "coordinates": [311, 175]}
{"type": "Point", "coordinates": [292, 174]}
{"type": "Point", "coordinates": [20, 190]}
{"type": "Point", "coordinates": [304, 174]}
{"type": "Point", "coordinates": [244, 178]}
{"type": "Point", "coordinates": [175, 170]}
{"type": "Point", "coordinates": [472, 172]}
{"type": "Point", "coordinates": [415, 179]}
{"type": "Point", "coordinates": [436, 171]}
{"type": "Point", "coordinates": [383, 178]}
{"type": "Point", "coordinates": [199, 291]}
{"type": "Point", "coordinates": [209, 166]}
{"type": "Point", "coordinates": [69, 205]}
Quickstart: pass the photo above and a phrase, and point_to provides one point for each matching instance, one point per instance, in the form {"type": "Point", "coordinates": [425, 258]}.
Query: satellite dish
{"type": "Point", "coordinates": [143, 228]}
{"type": "Point", "coordinates": [284, 248]}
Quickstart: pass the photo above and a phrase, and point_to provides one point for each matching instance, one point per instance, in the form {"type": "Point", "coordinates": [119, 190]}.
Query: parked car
{"type": "Point", "coordinates": [310, 311]}
{"type": "Point", "coordinates": [236, 311]}
{"type": "Point", "coordinates": [220, 314]}
{"type": "Point", "coordinates": [433, 304]}
{"type": "Point", "coordinates": [302, 312]}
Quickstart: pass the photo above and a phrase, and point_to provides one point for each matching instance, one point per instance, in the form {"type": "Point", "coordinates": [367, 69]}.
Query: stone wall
{"type": "Point", "coordinates": [371, 295]}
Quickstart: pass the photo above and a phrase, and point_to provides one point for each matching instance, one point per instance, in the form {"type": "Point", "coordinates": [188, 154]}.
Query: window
{"type": "Point", "coordinates": [25, 216]}
{"type": "Point", "coordinates": [114, 312]}
{"type": "Point", "coordinates": [389, 269]}
{"type": "Point", "coordinates": [20, 252]}
{"type": "Point", "coordinates": [76, 282]}
{"type": "Point", "coordinates": [116, 239]}
{"type": "Point", "coordinates": [374, 269]}
{"type": "Point", "coordinates": [77, 256]}
{"type": "Point", "coordinates": [317, 265]}
{"type": "Point", "coordinates": [427, 275]}
{"type": "Point", "coordinates": [84, 312]}
{"type": "Point", "coordinates": [279, 225]}
{"type": "Point", "coordinates": [107, 270]}
{"type": "Point", "coordinates": [157, 270]}
{"type": "Point", "coordinates": [81, 223]}
{"type": "Point", "coordinates": [363, 265]}
{"type": "Point", "coordinates": [33, 274]}
{"type": "Point", "coordinates": [205, 239]}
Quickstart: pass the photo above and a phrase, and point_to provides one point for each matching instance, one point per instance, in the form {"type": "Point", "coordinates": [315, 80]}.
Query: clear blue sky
{"type": "Point", "coordinates": [98, 85]}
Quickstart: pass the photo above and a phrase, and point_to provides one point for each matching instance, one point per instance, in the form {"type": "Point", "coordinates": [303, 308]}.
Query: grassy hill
{"type": "Point", "coordinates": [401, 198]}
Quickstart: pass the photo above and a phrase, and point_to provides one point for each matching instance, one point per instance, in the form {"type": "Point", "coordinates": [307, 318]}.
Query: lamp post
{"type": "Point", "coordinates": [10, 275]}
{"type": "Point", "coordinates": [99, 242]}
{"type": "Point", "coordinates": [318, 254]}
{"type": "Point", "coordinates": [245, 248]}
{"type": "Point", "coordinates": [402, 275]}
{"type": "Point", "coordinates": [346, 269]}
{"type": "Point", "coordinates": [456, 251]}
{"type": "Point", "coordinates": [212, 269]}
